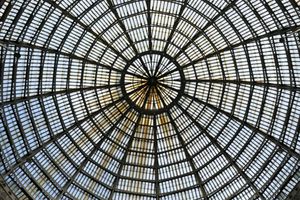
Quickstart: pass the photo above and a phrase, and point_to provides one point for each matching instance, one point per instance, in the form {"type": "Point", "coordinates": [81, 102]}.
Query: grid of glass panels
{"type": "Point", "coordinates": [67, 130]}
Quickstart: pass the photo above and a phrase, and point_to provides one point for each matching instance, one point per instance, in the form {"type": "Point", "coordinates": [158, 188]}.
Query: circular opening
{"type": "Point", "coordinates": [152, 82]}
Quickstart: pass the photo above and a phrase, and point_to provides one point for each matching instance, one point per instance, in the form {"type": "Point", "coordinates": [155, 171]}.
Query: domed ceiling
{"type": "Point", "coordinates": [192, 99]}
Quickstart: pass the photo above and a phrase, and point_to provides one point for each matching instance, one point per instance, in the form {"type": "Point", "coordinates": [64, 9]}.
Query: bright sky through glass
{"type": "Point", "coordinates": [80, 118]}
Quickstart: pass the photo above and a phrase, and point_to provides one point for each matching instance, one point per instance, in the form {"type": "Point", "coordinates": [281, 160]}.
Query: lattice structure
{"type": "Point", "coordinates": [189, 99]}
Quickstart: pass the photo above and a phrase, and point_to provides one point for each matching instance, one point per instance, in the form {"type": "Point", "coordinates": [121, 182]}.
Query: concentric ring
{"type": "Point", "coordinates": [156, 89]}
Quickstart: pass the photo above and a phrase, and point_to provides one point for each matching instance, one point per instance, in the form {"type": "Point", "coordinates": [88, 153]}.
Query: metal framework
{"type": "Point", "coordinates": [152, 99]}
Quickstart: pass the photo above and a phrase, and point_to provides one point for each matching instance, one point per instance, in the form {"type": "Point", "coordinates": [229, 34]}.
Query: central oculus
{"type": "Point", "coordinates": [152, 82]}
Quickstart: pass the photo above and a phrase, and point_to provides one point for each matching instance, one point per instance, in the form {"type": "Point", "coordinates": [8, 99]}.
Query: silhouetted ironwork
{"type": "Point", "coordinates": [183, 99]}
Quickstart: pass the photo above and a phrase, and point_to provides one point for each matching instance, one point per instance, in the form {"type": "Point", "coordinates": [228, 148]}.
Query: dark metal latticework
{"type": "Point", "coordinates": [189, 99]}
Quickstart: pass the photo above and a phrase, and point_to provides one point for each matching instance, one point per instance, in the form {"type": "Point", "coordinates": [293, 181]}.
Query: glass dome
{"type": "Point", "coordinates": [160, 99]}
